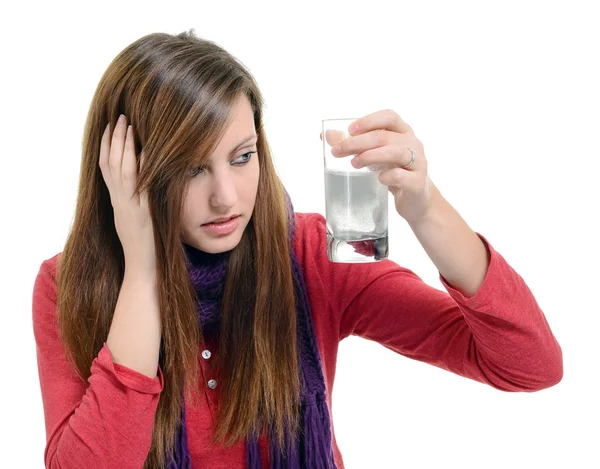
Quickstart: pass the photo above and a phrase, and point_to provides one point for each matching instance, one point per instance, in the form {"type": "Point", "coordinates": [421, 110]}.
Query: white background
{"type": "Point", "coordinates": [503, 95]}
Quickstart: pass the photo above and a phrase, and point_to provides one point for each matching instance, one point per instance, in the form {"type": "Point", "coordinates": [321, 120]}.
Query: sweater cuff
{"type": "Point", "coordinates": [128, 377]}
{"type": "Point", "coordinates": [485, 292]}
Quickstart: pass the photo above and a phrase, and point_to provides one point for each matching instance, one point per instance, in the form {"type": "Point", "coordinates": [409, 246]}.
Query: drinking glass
{"type": "Point", "coordinates": [356, 203]}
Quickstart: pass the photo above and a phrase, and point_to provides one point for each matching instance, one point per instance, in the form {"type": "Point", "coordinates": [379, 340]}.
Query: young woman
{"type": "Point", "coordinates": [193, 319]}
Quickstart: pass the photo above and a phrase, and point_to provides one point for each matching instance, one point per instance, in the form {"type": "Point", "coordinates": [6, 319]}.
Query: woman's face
{"type": "Point", "coordinates": [225, 186]}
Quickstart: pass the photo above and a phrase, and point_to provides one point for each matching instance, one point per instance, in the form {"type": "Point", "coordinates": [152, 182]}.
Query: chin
{"type": "Point", "coordinates": [217, 249]}
{"type": "Point", "coordinates": [217, 245]}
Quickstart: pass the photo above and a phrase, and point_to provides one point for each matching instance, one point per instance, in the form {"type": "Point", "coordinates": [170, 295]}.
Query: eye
{"type": "Point", "coordinates": [196, 171]}
{"type": "Point", "coordinates": [246, 157]}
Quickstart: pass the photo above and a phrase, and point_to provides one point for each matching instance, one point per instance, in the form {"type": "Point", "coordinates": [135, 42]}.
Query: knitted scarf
{"type": "Point", "coordinates": [312, 449]}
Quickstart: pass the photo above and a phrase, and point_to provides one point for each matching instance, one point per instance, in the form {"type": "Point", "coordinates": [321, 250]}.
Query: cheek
{"type": "Point", "coordinates": [254, 185]}
{"type": "Point", "coordinates": [190, 208]}
{"type": "Point", "coordinates": [250, 189]}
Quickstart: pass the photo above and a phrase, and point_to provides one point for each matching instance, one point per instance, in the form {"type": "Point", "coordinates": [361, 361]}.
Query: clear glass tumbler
{"type": "Point", "coordinates": [356, 203]}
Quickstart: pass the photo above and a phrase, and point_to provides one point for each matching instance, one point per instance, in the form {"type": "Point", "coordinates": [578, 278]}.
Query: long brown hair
{"type": "Point", "coordinates": [178, 91]}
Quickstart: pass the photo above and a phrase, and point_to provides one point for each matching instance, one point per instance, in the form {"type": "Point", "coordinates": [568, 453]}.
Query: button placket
{"type": "Point", "coordinates": [212, 383]}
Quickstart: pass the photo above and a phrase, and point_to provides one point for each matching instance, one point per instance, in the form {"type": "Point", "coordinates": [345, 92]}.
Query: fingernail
{"type": "Point", "coordinates": [121, 119]}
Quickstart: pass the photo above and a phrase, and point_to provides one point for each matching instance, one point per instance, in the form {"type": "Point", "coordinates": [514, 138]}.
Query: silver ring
{"type": "Point", "coordinates": [412, 160]}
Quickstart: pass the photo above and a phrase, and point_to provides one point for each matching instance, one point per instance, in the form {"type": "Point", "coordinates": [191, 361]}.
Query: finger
{"type": "Point", "coordinates": [364, 142]}
{"type": "Point", "coordinates": [129, 166]}
{"type": "Point", "coordinates": [386, 119]}
{"type": "Point", "coordinates": [404, 179]}
{"type": "Point", "coordinates": [117, 146]}
{"type": "Point", "coordinates": [333, 136]}
{"type": "Point", "coordinates": [388, 155]}
{"type": "Point", "coordinates": [104, 156]}
{"type": "Point", "coordinates": [395, 177]}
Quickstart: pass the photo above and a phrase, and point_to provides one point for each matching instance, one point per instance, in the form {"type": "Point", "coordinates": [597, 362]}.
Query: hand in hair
{"type": "Point", "coordinates": [132, 216]}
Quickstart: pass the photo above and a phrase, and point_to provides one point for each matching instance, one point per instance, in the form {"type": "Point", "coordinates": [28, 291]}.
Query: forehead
{"type": "Point", "coordinates": [240, 131]}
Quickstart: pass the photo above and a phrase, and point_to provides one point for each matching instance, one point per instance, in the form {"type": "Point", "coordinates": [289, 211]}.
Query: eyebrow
{"type": "Point", "coordinates": [241, 144]}
{"type": "Point", "coordinates": [246, 140]}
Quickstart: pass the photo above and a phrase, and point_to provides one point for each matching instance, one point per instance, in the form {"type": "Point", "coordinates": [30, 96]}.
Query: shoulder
{"type": "Point", "coordinates": [46, 276]}
{"type": "Point", "coordinates": [44, 292]}
{"type": "Point", "coordinates": [308, 220]}
{"type": "Point", "coordinates": [310, 246]}
{"type": "Point", "coordinates": [310, 236]}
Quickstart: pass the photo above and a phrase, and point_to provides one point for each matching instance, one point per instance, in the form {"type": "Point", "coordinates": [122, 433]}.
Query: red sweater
{"type": "Point", "coordinates": [499, 337]}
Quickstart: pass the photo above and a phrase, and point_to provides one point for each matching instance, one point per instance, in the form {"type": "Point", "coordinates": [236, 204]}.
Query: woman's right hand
{"type": "Point", "coordinates": [132, 216]}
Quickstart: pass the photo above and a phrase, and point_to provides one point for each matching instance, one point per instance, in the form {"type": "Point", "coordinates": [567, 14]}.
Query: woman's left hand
{"type": "Point", "coordinates": [384, 138]}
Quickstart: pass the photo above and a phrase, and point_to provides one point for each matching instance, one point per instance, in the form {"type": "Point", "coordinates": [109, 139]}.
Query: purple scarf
{"type": "Point", "coordinates": [313, 448]}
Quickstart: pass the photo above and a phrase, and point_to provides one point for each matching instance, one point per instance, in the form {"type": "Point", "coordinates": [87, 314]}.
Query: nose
{"type": "Point", "coordinates": [223, 192]}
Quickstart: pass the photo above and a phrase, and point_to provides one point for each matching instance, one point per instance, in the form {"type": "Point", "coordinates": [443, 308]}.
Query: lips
{"type": "Point", "coordinates": [219, 221]}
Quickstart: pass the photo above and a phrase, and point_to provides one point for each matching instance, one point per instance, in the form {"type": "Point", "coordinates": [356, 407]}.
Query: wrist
{"type": "Point", "coordinates": [435, 206]}
{"type": "Point", "coordinates": [136, 268]}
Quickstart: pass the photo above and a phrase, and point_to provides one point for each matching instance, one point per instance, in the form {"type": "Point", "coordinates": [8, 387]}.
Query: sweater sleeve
{"type": "Point", "coordinates": [105, 422]}
{"type": "Point", "coordinates": [499, 336]}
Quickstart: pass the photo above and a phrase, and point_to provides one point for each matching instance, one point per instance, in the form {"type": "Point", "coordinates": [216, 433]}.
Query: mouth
{"type": "Point", "coordinates": [222, 228]}
{"type": "Point", "coordinates": [222, 221]}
